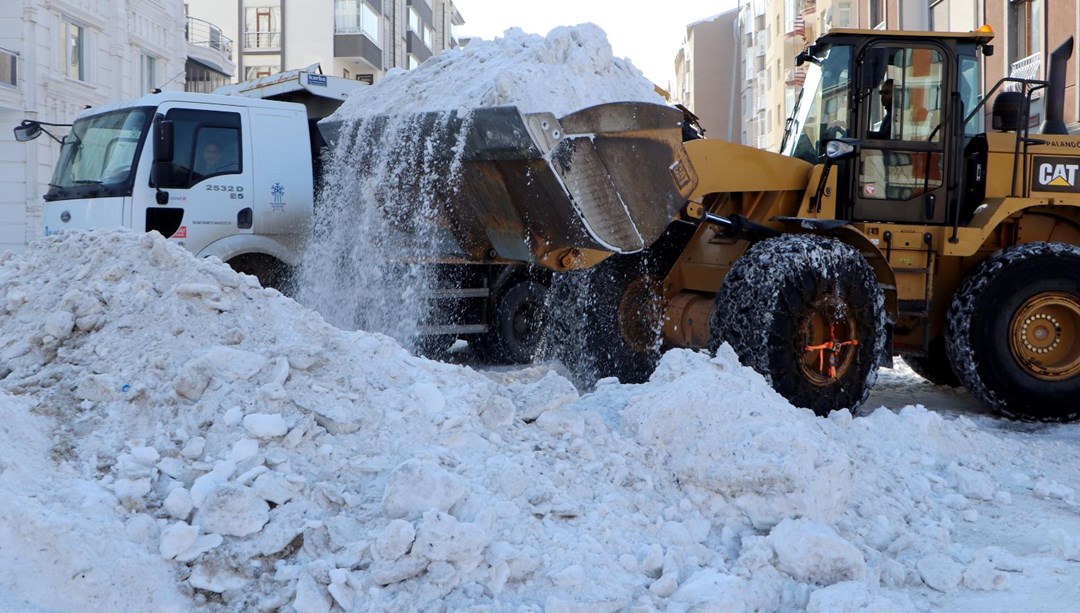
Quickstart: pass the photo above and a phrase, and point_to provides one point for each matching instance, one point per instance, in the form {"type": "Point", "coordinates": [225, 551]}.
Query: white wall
{"type": "Point", "coordinates": [117, 33]}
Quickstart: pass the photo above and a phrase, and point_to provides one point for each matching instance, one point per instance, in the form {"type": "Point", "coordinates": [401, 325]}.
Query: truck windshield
{"type": "Point", "coordinates": [98, 155]}
{"type": "Point", "coordinates": [821, 110]}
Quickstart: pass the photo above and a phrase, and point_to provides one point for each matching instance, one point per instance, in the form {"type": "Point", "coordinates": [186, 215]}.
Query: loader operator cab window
{"type": "Point", "coordinates": [820, 113]}
{"type": "Point", "coordinates": [205, 144]}
{"type": "Point", "coordinates": [901, 161]}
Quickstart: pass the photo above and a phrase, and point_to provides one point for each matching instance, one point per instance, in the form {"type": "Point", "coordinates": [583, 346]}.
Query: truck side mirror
{"type": "Point", "coordinates": [163, 140]}
{"type": "Point", "coordinates": [163, 155]}
{"type": "Point", "coordinates": [27, 131]}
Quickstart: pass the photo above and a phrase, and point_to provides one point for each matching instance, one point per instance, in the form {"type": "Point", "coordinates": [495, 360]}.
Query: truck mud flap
{"type": "Point", "coordinates": [610, 177]}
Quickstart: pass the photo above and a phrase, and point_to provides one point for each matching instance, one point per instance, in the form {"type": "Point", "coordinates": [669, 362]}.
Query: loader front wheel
{"type": "Point", "coordinates": [607, 322]}
{"type": "Point", "coordinates": [1013, 332]}
{"type": "Point", "coordinates": [806, 312]}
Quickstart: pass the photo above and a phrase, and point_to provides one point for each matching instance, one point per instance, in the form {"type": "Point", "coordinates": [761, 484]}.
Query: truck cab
{"type": "Point", "coordinates": [203, 170]}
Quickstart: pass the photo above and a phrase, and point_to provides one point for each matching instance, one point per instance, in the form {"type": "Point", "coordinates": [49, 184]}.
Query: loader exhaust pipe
{"type": "Point", "coordinates": [1055, 95]}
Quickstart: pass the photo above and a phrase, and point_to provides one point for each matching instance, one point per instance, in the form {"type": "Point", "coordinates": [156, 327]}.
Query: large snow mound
{"type": "Point", "coordinates": [569, 69]}
{"type": "Point", "coordinates": [173, 437]}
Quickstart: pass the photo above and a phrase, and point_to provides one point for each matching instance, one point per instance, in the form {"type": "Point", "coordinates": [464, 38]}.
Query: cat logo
{"type": "Point", "coordinates": [1056, 174]}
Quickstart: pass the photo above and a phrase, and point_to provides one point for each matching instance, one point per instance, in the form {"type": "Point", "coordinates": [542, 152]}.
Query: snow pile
{"type": "Point", "coordinates": [389, 190]}
{"type": "Point", "coordinates": [172, 436]}
{"type": "Point", "coordinates": [569, 69]}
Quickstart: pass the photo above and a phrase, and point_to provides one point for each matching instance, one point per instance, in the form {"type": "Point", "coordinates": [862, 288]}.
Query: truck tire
{"type": "Point", "coordinates": [607, 322]}
{"type": "Point", "coordinates": [935, 366]}
{"type": "Point", "coordinates": [434, 346]}
{"type": "Point", "coordinates": [807, 313]}
{"type": "Point", "coordinates": [1012, 332]}
{"type": "Point", "coordinates": [517, 324]}
{"type": "Point", "coordinates": [271, 272]}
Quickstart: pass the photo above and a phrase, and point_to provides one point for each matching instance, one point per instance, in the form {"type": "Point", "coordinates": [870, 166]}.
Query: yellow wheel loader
{"type": "Point", "coordinates": [903, 226]}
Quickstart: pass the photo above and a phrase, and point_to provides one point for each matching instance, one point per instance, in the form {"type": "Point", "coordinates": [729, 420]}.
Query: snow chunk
{"type": "Point", "coordinates": [814, 553]}
{"type": "Point", "coordinates": [416, 486]}
{"type": "Point", "coordinates": [233, 510]}
{"type": "Point", "coordinates": [940, 572]}
{"type": "Point", "coordinates": [261, 425]}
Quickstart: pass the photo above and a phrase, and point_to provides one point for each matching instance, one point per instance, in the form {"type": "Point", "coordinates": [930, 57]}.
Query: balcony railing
{"type": "Point", "coordinates": [795, 77]}
{"type": "Point", "coordinates": [262, 40]}
{"type": "Point", "coordinates": [202, 33]}
{"type": "Point", "coordinates": [1026, 68]}
{"type": "Point", "coordinates": [9, 68]}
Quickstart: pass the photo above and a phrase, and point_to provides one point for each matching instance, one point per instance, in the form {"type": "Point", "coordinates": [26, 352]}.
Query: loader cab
{"type": "Point", "coordinates": [903, 98]}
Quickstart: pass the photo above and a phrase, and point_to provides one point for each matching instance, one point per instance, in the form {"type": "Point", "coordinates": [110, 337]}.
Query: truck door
{"type": "Point", "coordinates": [902, 164]}
{"type": "Point", "coordinates": [209, 180]}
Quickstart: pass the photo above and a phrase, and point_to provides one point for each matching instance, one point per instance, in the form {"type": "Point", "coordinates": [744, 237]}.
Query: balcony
{"type": "Point", "coordinates": [1029, 67]}
{"type": "Point", "coordinates": [210, 50]}
{"type": "Point", "coordinates": [798, 28]}
{"type": "Point", "coordinates": [794, 77]}
{"type": "Point", "coordinates": [262, 41]}
{"type": "Point", "coordinates": [200, 33]}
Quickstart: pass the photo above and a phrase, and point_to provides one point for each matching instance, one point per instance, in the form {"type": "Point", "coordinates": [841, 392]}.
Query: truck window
{"type": "Point", "coordinates": [205, 144]}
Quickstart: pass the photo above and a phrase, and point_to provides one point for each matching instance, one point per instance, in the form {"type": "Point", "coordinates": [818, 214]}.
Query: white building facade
{"type": "Point", "coordinates": [354, 39]}
{"type": "Point", "coordinates": [59, 56]}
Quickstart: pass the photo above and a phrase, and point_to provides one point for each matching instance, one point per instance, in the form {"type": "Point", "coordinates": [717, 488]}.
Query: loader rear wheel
{"type": "Point", "coordinates": [517, 325]}
{"type": "Point", "coordinates": [807, 313]}
{"type": "Point", "coordinates": [1013, 332]}
{"type": "Point", "coordinates": [935, 366]}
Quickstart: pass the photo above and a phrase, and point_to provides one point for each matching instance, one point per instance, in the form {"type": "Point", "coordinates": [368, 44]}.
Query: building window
{"type": "Point", "coordinates": [345, 74]}
{"type": "Point", "coordinates": [366, 78]}
{"type": "Point", "coordinates": [356, 17]}
{"type": "Point", "coordinates": [411, 62]}
{"type": "Point", "coordinates": [262, 27]}
{"type": "Point", "coordinates": [257, 72]}
{"type": "Point", "coordinates": [877, 14]}
{"type": "Point", "coordinates": [148, 69]}
{"type": "Point", "coordinates": [203, 79]}
{"type": "Point", "coordinates": [73, 48]}
{"type": "Point", "coordinates": [843, 16]}
{"type": "Point", "coordinates": [414, 20]}
{"type": "Point", "coordinates": [1025, 29]}
{"type": "Point", "coordinates": [9, 66]}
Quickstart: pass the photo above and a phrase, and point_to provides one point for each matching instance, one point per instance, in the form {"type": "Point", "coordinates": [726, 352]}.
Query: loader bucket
{"type": "Point", "coordinates": [527, 185]}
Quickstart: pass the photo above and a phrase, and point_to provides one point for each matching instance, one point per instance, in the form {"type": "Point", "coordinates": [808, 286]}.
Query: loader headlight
{"type": "Point", "coordinates": [839, 149]}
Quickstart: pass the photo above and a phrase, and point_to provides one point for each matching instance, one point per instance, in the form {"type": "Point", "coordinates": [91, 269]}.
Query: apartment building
{"type": "Point", "coordinates": [355, 39]}
{"type": "Point", "coordinates": [774, 31]}
{"type": "Point", "coordinates": [59, 56]}
{"type": "Point", "coordinates": [709, 88]}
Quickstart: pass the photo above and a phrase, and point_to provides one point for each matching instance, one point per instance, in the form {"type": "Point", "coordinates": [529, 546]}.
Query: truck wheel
{"type": "Point", "coordinates": [517, 324]}
{"type": "Point", "coordinates": [935, 366]}
{"type": "Point", "coordinates": [1012, 332]}
{"type": "Point", "coordinates": [434, 346]}
{"type": "Point", "coordinates": [807, 313]}
{"type": "Point", "coordinates": [271, 272]}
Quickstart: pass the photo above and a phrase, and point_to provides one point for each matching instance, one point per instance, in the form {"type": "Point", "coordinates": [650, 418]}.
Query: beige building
{"type": "Point", "coordinates": [774, 31]}
{"type": "Point", "coordinates": [355, 39]}
{"type": "Point", "coordinates": [708, 75]}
